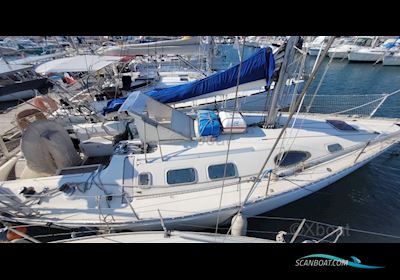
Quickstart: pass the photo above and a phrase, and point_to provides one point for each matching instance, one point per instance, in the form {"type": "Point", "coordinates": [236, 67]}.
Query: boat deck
{"type": "Point", "coordinates": [203, 199]}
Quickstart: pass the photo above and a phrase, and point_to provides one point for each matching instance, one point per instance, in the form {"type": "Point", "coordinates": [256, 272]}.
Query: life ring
{"type": "Point", "coordinates": [45, 104]}
{"type": "Point", "coordinates": [22, 117]}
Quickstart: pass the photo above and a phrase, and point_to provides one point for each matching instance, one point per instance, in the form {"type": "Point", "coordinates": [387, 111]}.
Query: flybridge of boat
{"type": "Point", "coordinates": [260, 66]}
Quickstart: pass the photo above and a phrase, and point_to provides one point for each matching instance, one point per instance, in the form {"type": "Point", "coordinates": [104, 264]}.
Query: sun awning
{"type": "Point", "coordinates": [183, 46]}
{"type": "Point", "coordinates": [80, 63]}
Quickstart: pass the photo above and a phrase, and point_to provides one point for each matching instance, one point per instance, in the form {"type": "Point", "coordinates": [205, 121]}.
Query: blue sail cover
{"type": "Point", "coordinates": [259, 66]}
{"type": "Point", "coordinates": [113, 105]}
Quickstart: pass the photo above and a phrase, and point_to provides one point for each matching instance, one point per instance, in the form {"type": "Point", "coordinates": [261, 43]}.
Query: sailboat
{"type": "Point", "coordinates": [178, 165]}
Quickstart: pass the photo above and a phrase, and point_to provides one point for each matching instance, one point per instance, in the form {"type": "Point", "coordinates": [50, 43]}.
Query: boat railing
{"type": "Point", "coordinates": [283, 229]}
{"type": "Point", "coordinates": [354, 105]}
{"type": "Point", "coordinates": [365, 105]}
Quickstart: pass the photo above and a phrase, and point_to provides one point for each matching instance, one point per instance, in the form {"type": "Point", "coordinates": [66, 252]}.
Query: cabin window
{"type": "Point", "coordinates": [145, 179]}
{"type": "Point", "coordinates": [341, 125]}
{"type": "Point", "coordinates": [217, 171]}
{"type": "Point", "coordinates": [181, 176]}
{"type": "Point", "coordinates": [291, 158]}
{"type": "Point", "coordinates": [333, 148]}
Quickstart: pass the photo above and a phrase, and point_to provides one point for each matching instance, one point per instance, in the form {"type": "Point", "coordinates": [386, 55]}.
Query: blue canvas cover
{"type": "Point", "coordinates": [113, 105]}
{"type": "Point", "coordinates": [208, 123]}
{"type": "Point", "coordinates": [393, 44]}
{"type": "Point", "coordinates": [259, 66]}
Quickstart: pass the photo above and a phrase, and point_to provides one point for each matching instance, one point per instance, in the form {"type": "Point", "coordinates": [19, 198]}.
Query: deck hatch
{"type": "Point", "coordinates": [341, 125]}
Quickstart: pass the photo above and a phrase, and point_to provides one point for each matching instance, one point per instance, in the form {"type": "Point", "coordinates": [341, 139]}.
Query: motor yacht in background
{"type": "Point", "coordinates": [317, 45]}
{"type": "Point", "coordinates": [342, 50]}
{"type": "Point", "coordinates": [373, 53]}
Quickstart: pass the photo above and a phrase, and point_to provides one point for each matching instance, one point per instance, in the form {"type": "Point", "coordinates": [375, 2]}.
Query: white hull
{"type": "Point", "coordinates": [338, 54]}
{"type": "Point", "coordinates": [209, 219]}
{"type": "Point", "coordinates": [365, 56]}
{"type": "Point", "coordinates": [342, 51]}
{"type": "Point", "coordinates": [159, 237]}
{"type": "Point", "coordinates": [196, 205]}
{"type": "Point", "coordinates": [391, 60]}
{"type": "Point", "coordinates": [314, 51]}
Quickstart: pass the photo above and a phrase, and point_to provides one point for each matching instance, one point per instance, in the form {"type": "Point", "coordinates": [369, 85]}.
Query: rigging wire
{"type": "Point", "coordinates": [230, 134]}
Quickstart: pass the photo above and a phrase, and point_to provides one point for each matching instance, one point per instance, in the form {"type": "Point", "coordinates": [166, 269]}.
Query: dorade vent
{"type": "Point", "coordinates": [341, 125]}
{"type": "Point", "coordinates": [144, 179]}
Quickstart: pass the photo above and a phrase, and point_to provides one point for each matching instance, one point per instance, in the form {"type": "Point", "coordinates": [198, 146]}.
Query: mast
{"type": "Point", "coordinates": [299, 77]}
{"type": "Point", "coordinates": [280, 84]}
{"type": "Point", "coordinates": [73, 44]}
{"type": "Point", "coordinates": [210, 52]}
